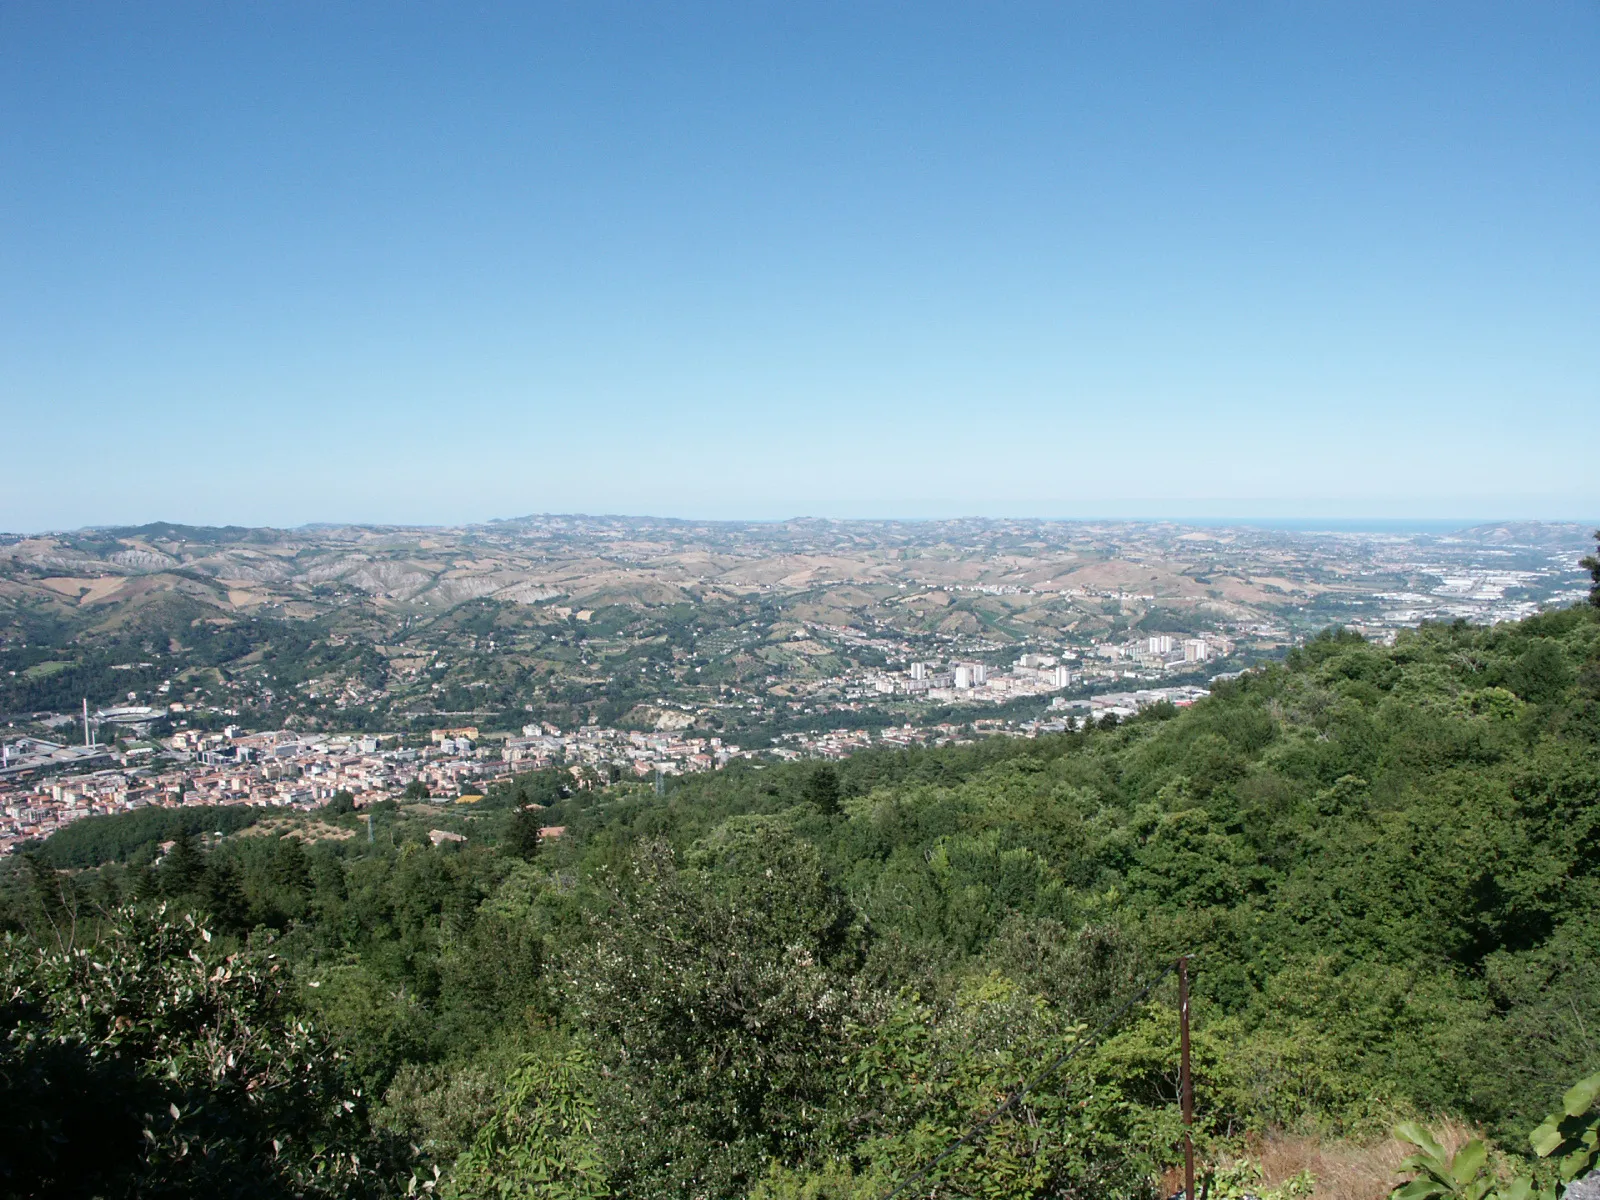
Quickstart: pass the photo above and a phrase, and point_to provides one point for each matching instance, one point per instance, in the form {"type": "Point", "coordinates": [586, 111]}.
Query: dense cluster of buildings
{"type": "Point", "coordinates": [632, 753]}
{"type": "Point", "coordinates": [45, 784]}
{"type": "Point", "coordinates": [1062, 716]}
{"type": "Point", "coordinates": [281, 768]}
{"type": "Point", "coordinates": [1032, 675]}
{"type": "Point", "coordinates": [1145, 658]}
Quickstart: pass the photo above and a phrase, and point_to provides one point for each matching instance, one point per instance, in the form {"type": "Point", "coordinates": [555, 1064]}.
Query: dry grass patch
{"type": "Point", "coordinates": [1346, 1170]}
{"type": "Point", "coordinates": [302, 830]}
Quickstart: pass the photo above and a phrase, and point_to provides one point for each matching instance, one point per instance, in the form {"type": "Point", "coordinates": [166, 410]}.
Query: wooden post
{"type": "Point", "coordinates": [1185, 1080]}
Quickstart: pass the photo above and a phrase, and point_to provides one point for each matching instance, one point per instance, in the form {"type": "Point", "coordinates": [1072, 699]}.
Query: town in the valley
{"type": "Point", "coordinates": [163, 665]}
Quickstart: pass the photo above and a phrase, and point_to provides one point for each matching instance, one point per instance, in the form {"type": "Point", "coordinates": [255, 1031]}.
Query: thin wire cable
{"type": "Point", "coordinates": [1060, 1060]}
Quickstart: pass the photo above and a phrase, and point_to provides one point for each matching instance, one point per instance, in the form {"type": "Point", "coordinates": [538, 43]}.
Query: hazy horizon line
{"type": "Point", "coordinates": [1300, 524]}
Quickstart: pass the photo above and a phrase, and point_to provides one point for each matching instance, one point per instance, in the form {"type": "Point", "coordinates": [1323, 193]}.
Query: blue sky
{"type": "Point", "coordinates": [276, 263]}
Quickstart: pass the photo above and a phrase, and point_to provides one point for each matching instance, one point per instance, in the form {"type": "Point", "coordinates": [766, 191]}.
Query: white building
{"type": "Point", "coordinates": [1160, 643]}
{"type": "Point", "coordinates": [1195, 650]}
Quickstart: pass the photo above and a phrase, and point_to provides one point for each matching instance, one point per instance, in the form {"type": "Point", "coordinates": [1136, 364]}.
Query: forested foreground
{"type": "Point", "coordinates": [807, 980]}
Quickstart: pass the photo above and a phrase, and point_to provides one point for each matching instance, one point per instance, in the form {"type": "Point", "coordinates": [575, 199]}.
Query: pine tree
{"type": "Point", "coordinates": [1592, 565]}
{"type": "Point", "coordinates": [822, 790]}
{"type": "Point", "coordinates": [223, 897]}
{"type": "Point", "coordinates": [181, 869]}
{"type": "Point", "coordinates": [522, 835]}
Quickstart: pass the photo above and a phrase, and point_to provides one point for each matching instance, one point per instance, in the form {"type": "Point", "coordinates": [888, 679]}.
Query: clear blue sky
{"type": "Point", "coordinates": [285, 262]}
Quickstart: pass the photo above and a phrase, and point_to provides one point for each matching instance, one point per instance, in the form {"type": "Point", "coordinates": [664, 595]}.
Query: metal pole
{"type": "Point", "coordinates": [1186, 1080]}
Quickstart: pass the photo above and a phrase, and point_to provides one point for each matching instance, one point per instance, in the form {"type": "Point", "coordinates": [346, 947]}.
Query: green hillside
{"type": "Point", "coordinates": [805, 980]}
